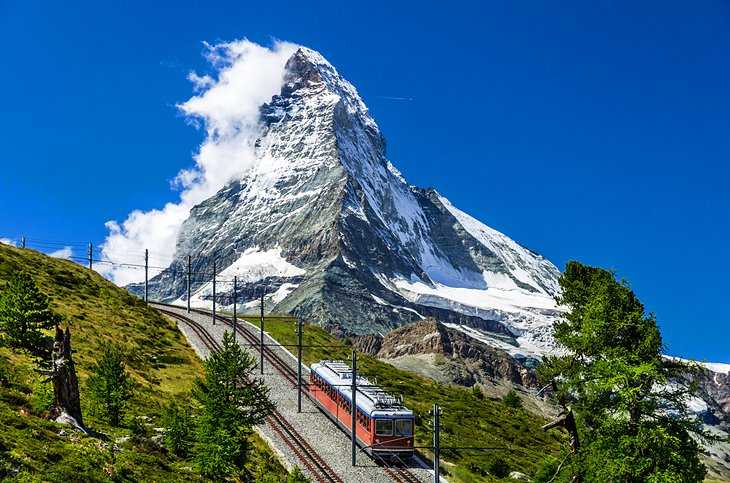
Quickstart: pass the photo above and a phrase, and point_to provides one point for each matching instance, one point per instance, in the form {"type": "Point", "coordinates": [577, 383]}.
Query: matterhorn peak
{"type": "Point", "coordinates": [329, 229]}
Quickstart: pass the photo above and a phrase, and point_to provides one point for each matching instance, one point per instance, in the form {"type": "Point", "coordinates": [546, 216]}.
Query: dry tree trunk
{"type": "Point", "coordinates": [66, 398]}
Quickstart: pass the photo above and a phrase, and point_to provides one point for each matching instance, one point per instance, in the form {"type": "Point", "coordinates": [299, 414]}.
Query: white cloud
{"type": "Point", "coordinates": [8, 241]}
{"type": "Point", "coordinates": [66, 253]}
{"type": "Point", "coordinates": [227, 105]}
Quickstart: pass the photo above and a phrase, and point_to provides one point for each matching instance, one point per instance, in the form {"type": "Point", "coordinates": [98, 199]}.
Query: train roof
{"type": "Point", "coordinates": [370, 398]}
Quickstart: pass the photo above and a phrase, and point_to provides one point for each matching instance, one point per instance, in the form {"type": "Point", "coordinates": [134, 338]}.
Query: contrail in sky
{"type": "Point", "coordinates": [392, 98]}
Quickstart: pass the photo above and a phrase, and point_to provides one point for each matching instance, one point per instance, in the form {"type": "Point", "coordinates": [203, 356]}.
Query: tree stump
{"type": "Point", "coordinates": [66, 399]}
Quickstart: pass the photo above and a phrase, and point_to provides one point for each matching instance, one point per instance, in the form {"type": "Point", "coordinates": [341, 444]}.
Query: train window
{"type": "Point", "coordinates": [404, 427]}
{"type": "Point", "coordinates": [384, 427]}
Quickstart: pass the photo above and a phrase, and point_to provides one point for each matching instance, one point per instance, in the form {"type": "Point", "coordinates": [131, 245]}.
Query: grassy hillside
{"type": "Point", "coordinates": [484, 430]}
{"type": "Point", "coordinates": [160, 361]}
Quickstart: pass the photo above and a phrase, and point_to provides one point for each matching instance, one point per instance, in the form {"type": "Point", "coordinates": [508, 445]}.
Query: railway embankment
{"type": "Point", "coordinates": [319, 436]}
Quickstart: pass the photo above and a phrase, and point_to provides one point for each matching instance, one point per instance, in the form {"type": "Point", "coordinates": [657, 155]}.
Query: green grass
{"type": "Point", "coordinates": [467, 421]}
{"type": "Point", "coordinates": [159, 359]}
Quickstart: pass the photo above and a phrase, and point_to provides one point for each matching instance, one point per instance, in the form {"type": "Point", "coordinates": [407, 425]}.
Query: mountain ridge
{"type": "Point", "coordinates": [371, 251]}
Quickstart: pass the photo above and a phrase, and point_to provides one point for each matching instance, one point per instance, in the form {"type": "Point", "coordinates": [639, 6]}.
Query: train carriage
{"type": "Point", "coordinates": [384, 426]}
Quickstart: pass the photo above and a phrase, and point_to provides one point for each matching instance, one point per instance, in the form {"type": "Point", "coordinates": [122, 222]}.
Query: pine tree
{"type": "Point", "coordinates": [232, 401]}
{"type": "Point", "coordinates": [625, 403]}
{"type": "Point", "coordinates": [24, 314]}
{"type": "Point", "coordinates": [110, 387]}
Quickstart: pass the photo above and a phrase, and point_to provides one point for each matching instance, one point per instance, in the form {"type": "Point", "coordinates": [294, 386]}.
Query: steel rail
{"type": "Point", "coordinates": [400, 473]}
{"type": "Point", "coordinates": [319, 468]}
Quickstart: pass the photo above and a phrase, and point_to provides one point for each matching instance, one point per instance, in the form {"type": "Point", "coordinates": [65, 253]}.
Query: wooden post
{"type": "Point", "coordinates": [91, 258]}
{"type": "Point", "coordinates": [353, 409]}
{"type": "Point", "coordinates": [189, 283]}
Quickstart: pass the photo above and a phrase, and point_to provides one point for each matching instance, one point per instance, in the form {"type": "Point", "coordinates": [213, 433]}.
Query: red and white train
{"type": "Point", "coordinates": [384, 425]}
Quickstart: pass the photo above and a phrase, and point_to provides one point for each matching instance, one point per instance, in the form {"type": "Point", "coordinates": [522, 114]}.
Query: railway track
{"type": "Point", "coordinates": [397, 470]}
{"type": "Point", "coordinates": [298, 445]}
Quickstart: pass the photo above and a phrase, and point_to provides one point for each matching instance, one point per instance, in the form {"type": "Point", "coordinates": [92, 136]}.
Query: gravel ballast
{"type": "Point", "coordinates": [332, 444]}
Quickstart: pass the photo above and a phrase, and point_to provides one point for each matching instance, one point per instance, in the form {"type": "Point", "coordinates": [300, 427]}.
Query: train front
{"type": "Point", "coordinates": [393, 432]}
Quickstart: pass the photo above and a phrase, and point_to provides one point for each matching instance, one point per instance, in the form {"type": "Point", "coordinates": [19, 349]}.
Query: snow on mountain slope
{"type": "Point", "coordinates": [328, 228]}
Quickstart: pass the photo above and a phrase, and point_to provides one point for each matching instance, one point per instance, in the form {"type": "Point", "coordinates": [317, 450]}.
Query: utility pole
{"type": "Point", "coordinates": [235, 321]}
{"type": "Point", "coordinates": [353, 409]}
{"type": "Point", "coordinates": [146, 271]}
{"type": "Point", "coordinates": [261, 326]}
{"type": "Point", "coordinates": [213, 292]}
{"type": "Point", "coordinates": [436, 444]}
{"type": "Point", "coordinates": [22, 242]}
{"type": "Point", "coordinates": [299, 365]}
{"type": "Point", "coordinates": [189, 283]}
{"type": "Point", "coordinates": [91, 259]}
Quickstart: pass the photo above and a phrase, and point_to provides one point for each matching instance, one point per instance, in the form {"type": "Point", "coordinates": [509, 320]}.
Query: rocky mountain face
{"type": "Point", "coordinates": [329, 230]}
{"type": "Point", "coordinates": [463, 360]}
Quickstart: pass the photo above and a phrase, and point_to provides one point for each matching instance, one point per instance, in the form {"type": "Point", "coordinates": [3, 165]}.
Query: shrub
{"type": "Point", "coordinates": [178, 423]}
{"type": "Point", "coordinates": [42, 397]}
{"type": "Point", "coordinates": [109, 386]}
{"type": "Point", "coordinates": [296, 476]}
{"type": "Point", "coordinates": [547, 471]}
{"type": "Point", "coordinates": [499, 468]}
{"type": "Point", "coordinates": [512, 400]}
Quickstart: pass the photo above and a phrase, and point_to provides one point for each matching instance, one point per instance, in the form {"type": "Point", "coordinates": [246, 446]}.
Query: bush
{"type": "Point", "coordinates": [499, 468]}
{"type": "Point", "coordinates": [42, 397]}
{"type": "Point", "coordinates": [512, 400]}
{"type": "Point", "coordinates": [477, 392]}
{"type": "Point", "coordinates": [296, 476]}
{"type": "Point", "coordinates": [216, 454]}
{"type": "Point", "coordinates": [178, 424]}
{"type": "Point", "coordinates": [547, 471]}
{"type": "Point", "coordinates": [138, 427]}
{"type": "Point", "coordinates": [109, 386]}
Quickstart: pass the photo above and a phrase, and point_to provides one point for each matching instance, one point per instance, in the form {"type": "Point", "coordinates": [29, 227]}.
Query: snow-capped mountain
{"type": "Point", "coordinates": [331, 231]}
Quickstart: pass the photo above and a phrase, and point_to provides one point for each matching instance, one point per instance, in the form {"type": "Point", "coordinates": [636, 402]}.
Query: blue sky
{"type": "Point", "coordinates": [596, 131]}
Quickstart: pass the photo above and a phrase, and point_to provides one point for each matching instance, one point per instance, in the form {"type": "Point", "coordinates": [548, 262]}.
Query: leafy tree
{"type": "Point", "coordinates": [110, 387]}
{"type": "Point", "coordinates": [625, 404]}
{"type": "Point", "coordinates": [232, 401]}
{"type": "Point", "coordinates": [512, 399]}
{"type": "Point", "coordinates": [24, 314]}
{"type": "Point", "coordinates": [178, 424]}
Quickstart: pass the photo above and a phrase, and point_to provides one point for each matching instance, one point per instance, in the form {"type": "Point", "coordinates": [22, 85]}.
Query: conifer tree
{"type": "Point", "coordinates": [24, 314]}
{"type": "Point", "coordinates": [232, 401]}
{"type": "Point", "coordinates": [625, 403]}
{"type": "Point", "coordinates": [110, 387]}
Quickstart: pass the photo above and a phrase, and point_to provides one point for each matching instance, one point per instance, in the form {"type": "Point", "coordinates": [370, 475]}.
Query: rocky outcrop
{"type": "Point", "coordinates": [467, 360]}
